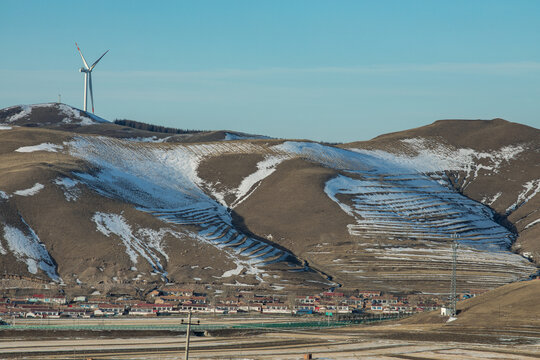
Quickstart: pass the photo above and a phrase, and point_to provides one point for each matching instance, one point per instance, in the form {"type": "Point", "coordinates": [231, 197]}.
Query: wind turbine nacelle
{"type": "Point", "coordinates": [83, 70]}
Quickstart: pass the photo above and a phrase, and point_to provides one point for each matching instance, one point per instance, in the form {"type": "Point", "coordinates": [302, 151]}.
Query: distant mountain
{"type": "Point", "coordinates": [95, 205]}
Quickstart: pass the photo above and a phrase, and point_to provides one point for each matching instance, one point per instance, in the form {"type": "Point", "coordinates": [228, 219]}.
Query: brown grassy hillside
{"type": "Point", "coordinates": [106, 212]}
{"type": "Point", "coordinates": [513, 306]}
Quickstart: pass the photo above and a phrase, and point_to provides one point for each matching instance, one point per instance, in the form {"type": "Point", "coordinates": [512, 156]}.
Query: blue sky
{"type": "Point", "coordinates": [323, 70]}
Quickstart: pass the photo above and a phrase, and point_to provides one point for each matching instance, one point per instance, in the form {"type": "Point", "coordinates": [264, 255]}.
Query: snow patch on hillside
{"type": "Point", "coordinates": [26, 110]}
{"type": "Point", "coordinates": [71, 191]}
{"type": "Point", "coordinates": [435, 156]}
{"type": "Point", "coordinates": [160, 178]}
{"type": "Point", "coordinates": [491, 200]}
{"type": "Point", "coordinates": [5, 127]}
{"type": "Point", "coordinates": [145, 243]}
{"type": "Point", "coordinates": [537, 221]}
{"type": "Point", "coordinates": [152, 139]}
{"type": "Point", "coordinates": [531, 189]}
{"type": "Point", "coordinates": [41, 147]}
{"type": "Point", "coordinates": [31, 191]}
{"type": "Point", "coordinates": [74, 114]}
{"type": "Point", "coordinates": [333, 157]}
{"type": "Point", "coordinates": [3, 195]}
{"type": "Point", "coordinates": [155, 239]}
{"type": "Point", "coordinates": [2, 250]}
{"type": "Point", "coordinates": [233, 272]}
{"type": "Point", "coordinates": [339, 185]}
{"type": "Point", "coordinates": [153, 178]}
{"type": "Point", "coordinates": [29, 249]}
{"type": "Point", "coordinates": [250, 183]}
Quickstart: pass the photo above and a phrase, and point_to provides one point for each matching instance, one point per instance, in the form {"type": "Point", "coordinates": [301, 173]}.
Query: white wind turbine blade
{"type": "Point", "coordinates": [82, 57]}
{"type": "Point", "coordinates": [91, 92]}
{"type": "Point", "coordinates": [94, 64]}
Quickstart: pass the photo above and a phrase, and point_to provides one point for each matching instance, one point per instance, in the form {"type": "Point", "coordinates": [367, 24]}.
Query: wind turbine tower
{"type": "Point", "coordinates": [87, 70]}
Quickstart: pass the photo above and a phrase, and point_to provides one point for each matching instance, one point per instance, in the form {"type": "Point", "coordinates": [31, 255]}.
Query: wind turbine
{"type": "Point", "coordinates": [87, 70]}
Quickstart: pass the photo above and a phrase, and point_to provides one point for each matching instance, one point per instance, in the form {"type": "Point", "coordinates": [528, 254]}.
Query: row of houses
{"type": "Point", "coordinates": [174, 300]}
{"type": "Point", "coordinates": [140, 309]}
{"type": "Point", "coordinates": [148, 309]}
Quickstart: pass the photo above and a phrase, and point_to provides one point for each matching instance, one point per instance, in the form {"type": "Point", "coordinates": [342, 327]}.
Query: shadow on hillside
{"type": "Point", "coordinates": [239, 223]}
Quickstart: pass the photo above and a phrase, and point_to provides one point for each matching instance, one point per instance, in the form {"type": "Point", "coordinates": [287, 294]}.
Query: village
{"type": "Point", "coordinates": [170, 300]}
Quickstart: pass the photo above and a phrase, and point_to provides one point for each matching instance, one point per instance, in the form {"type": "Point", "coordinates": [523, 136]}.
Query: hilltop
{"type": "Point", "coordinates": [62, 117]}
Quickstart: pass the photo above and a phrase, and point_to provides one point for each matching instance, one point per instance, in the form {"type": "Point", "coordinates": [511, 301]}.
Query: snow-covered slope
{"type": "Point", "coordinates": [390, 201]}
{"type": "Point", "coordinates": [26, 246]}
{"type": "Point", "coordinates": [401, 215]}
{"type": "Point", "coordinates": [262, 212]}
{"type": "Point", "coordinates": [164, 182]}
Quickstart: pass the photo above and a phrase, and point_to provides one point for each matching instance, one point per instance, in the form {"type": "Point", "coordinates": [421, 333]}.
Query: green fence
{"type": "Point", "coordinates": [316, 324]}
{"type": "Point", "coordinates": [182, 327]}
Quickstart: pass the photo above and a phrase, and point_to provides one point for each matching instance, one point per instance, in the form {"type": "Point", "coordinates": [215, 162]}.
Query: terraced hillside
{"type": "Point", "coordinates": [494, 162]}
{"type": "Point", "coordinates": [108, 212]}
{"type": "Point", "coordinates": [400, 226]}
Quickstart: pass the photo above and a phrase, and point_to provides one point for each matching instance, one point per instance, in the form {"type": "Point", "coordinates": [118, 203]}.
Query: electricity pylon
{"type": "Point", "coordinates": [453, 297]}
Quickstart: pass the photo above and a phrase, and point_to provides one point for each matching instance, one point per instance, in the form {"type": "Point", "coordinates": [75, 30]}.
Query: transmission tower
{"type": "Point", "coordinates": [453, 297]}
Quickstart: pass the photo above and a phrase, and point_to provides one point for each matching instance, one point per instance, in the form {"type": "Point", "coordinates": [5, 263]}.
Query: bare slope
{"type": "Point", "coordinates": [255, 213]}
{"type": "Point", "coordinates": [509, 307]}
{"type": "Point", "coordinates": [109, 214]}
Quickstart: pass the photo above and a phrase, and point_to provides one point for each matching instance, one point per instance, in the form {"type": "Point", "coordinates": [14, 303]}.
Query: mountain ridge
{"type": "Point", "coordinates": [265, 214]}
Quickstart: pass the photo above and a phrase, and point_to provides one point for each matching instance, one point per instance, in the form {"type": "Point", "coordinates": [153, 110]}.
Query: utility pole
{"type": "Point", "coordinates": [188, 333]}
{"type": "Point", "coordinates": [453, 297]}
